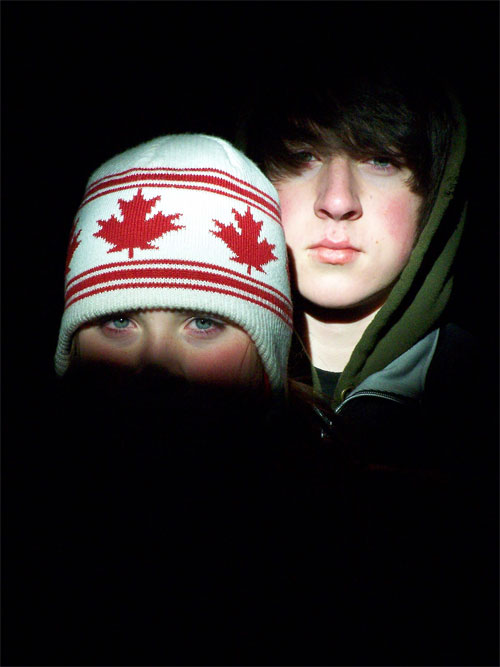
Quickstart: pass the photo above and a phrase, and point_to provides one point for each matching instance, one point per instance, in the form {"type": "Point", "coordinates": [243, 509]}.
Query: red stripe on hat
{"type": "Point", "coordinates": [140, 170]}
{"type": "Point", "coordinates": [154, 180]}
{"type": "Point", "coordinates": [184, 262]}
{"type": "Point", "coordinates": [175, 274]}
{"type": "Point", "coordinates": [202, 288]}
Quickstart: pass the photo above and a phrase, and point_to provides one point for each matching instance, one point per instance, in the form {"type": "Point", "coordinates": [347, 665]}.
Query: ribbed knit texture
{"type": "Point", "coordinates": [181, 222]}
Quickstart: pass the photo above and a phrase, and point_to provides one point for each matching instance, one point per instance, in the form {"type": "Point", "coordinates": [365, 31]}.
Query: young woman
{"type": "Point", "coordinates": [177, 262]}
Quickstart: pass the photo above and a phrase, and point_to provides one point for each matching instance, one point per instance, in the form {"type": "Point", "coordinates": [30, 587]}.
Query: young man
{"type": "Point", "coordinates": [370, 177]}
{"type": "Point", "coordinates": [370, 170]}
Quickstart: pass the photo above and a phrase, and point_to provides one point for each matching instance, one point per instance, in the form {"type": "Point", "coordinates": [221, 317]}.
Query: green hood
{"type": "Point", "coordinates": [419, 298]}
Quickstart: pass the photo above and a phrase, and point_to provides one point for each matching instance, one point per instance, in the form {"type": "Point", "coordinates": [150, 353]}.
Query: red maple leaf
{"type": "Point", "coordinates": [135, 231]}
{"type": "Point", "coordinates": [245, 243]}
{"type": "Point", "coordinates": [73, 245]}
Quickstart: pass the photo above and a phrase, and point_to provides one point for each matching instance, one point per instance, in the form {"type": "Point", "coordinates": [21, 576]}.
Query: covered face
{"type": "Point", "coordinates": [192, 346]}
{"type": "Point", "coordinates": [177, 258]}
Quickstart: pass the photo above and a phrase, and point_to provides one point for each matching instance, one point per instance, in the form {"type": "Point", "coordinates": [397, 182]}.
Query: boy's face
{"type": "Point", "coordinates": [350, 226]}
{"type": "Point", "coordinates": [193, 346]}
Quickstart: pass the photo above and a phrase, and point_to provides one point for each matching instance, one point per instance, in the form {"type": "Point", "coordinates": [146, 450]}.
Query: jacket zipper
{"type": "Point", "coordinates": [376, 393]}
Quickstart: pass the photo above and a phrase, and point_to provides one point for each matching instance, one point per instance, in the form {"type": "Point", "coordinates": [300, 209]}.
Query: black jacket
{"type": "Point", "coordinates": [154, 526]}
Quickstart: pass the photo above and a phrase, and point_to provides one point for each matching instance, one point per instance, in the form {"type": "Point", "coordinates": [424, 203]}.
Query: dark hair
{"type": "Point", "coordinates": [400, 116]}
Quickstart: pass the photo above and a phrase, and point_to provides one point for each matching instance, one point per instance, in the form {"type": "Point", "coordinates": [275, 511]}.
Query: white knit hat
{"type": "Point", "coordinates": [181, 222]}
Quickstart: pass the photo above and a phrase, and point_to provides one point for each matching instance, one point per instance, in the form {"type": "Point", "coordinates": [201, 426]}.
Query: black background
{"type": "Point", "coordinates": [83, 81]}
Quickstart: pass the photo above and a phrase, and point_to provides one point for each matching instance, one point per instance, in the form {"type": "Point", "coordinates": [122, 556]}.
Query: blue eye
{"type": "Point", "coordinates": [120, 322]}
{"type": "Point", "coordinates": [380, 163]}
{"type": "Point", "coordinates": [203, 323]}
{"type": "Point", "coordinates": [117, 326]}
{"type": "Point", "coordinates": [304, 156]}
{"type": "Point", "coordinates": [205, 327]}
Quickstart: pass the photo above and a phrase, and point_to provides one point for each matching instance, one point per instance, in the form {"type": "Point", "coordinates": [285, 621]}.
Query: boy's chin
{"type": "Point", "coordinates": [323, 305]}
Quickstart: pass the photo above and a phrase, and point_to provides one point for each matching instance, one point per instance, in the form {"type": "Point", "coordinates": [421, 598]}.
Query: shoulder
{"type": "Point", "coordinates": [454, 338]}
{"type": "Point", "coordinates": [461, 397]}
{"type": "Point", "coordinates": [455, 359]}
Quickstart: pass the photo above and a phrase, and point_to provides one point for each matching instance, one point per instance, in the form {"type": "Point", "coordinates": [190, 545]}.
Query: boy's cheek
{"type": "Point", "coordinates": [400, 216]}
{"type": "Point", "coordinates": [289, 202]}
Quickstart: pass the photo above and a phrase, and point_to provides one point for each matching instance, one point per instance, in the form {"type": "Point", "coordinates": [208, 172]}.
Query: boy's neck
{"type": "Point", "coordinates": [330, 336]}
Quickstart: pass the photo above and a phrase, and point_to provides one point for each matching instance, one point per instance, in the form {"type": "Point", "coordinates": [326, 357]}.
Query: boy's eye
{"type": "Point", "coordinates": [304, 156]}
{"type": "Point", "coordinates": [380, 163]}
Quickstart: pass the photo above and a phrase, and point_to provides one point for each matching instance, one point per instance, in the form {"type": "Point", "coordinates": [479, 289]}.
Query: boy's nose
{"type": "Point", "coordinates": [337, 195]}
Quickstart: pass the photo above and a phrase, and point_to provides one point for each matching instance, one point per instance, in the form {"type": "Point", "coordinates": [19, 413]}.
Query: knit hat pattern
{"type": "Point", "coordinates": [181, 222]}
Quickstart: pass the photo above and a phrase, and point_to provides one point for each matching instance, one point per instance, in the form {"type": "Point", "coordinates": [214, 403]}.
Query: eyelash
{"type": "Point", "coordinates": [304, 153]}
{"type": "Point", "coordinates": [216, 325]}
{"type": "Point", "coordinates": [105, 324]}
{"type": "Point", "coordinates": [388, 164]}
{"type": "Point", "coordinates": [300, 156]}
{"type": "Point", "coordinates": [388, 167]}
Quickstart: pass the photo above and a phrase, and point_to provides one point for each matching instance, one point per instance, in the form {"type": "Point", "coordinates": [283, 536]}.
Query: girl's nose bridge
{"type": "Point", "coordinates": [160, 347]}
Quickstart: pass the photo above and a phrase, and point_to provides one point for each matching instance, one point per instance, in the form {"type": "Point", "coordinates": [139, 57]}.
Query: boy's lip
{"type": "Point", "coordinates": [334, 252]}
{"type": "Point", "coordinates": [334, 245]}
